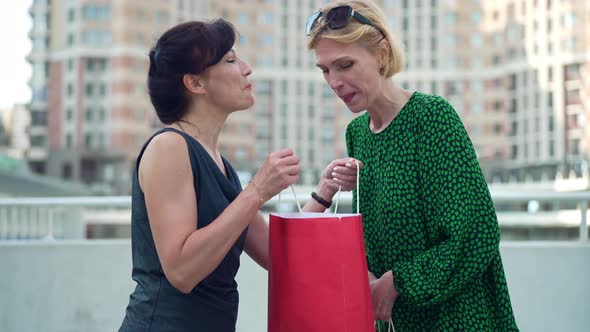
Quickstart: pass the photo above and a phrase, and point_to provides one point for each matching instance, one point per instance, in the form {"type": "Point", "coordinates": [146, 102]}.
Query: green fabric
{"type": "Point", "coordinates": [428, 216]}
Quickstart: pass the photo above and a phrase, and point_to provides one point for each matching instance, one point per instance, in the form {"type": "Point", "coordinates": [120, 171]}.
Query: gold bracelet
{"type": "Point", "coordinates": [258, 191]}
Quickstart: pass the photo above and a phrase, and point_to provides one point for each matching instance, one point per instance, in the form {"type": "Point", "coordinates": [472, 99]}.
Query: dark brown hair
{"type": "Point", "coordinates": [188, 48]}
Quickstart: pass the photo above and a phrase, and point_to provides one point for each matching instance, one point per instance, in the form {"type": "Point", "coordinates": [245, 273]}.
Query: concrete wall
{"type": "Point", "coordinates": [84, 286]}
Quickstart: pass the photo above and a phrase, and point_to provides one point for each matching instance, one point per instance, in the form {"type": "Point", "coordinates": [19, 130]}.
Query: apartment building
{"type": "Point", "coordinates": [513, 69]}
{"type": "Point", "coordinates": [89, 108]}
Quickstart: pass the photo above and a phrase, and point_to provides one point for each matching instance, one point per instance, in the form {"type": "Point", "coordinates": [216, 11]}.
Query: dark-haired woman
{"type": "Point", "coordinates": [191, 219]}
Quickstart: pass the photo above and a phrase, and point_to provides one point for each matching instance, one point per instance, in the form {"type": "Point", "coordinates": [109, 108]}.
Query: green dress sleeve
{"type": "Point", "coordinates": [457, 210]}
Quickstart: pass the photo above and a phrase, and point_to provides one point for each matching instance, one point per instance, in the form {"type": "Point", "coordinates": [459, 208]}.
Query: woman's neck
{"type": "Point", "coordinates": [204, 124]}
{"type": "Point", "coordinates": [386, 106]}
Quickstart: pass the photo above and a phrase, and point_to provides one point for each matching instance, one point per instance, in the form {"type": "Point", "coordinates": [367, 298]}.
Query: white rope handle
{"type": "Point", "coordinates": [337, 200]}
{"type": "Point", "coordinates": [296, 200]}
{"type": "Point", "coordinates": [294, 196]}
{"type": "Point", "coordinates": [358, 176]}
{"type": "Point", "coordinates": [390, 327]}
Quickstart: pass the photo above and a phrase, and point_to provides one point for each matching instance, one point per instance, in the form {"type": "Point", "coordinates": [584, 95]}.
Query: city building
{"type": "Point", "coordinates": [90, 111]}
{"type": "Point", "coordinates": [513, 70]}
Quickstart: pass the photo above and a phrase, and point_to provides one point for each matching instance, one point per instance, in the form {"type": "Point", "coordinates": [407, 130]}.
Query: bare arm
{"type": "Point", "coordinates": [257, 241]}
{"type": "Point", "coordinates": [189, 254]}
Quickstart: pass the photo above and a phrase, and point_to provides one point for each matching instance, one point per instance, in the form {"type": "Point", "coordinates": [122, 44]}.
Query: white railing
{"type": "Point", "coordinates": [67, 217]}
{"type": "Point", "coordinates": [52, 217]}
{"type": "Point", "coordinates": [580, 198]}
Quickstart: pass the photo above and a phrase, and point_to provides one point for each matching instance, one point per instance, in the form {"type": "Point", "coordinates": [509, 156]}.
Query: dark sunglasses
{"type": "Point", "coordinates": [337, 18]}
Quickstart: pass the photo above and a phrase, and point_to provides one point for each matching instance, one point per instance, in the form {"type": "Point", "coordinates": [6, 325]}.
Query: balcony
{"type": "Point", "coordinates": [56, 279]}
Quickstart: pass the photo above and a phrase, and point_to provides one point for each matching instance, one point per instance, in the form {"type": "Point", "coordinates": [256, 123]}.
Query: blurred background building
{"type": "Point", "coordinates": [513, 69]}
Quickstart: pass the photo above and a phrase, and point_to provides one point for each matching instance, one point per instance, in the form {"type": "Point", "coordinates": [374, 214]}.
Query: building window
{"type": "Point", "coordinates": [243, 18]}
{"type": "Point", "coordinates": [475, 18]}
{"type": "Point", "coordinates": [476, 40]}
{"type": "Point", "coordinates": [92, 12]}
{"type": "Point", "coordinates": [37, 141]}
{"type": "Point", "coordinates": [575, 146]}
{"type": "Point", "coordinates": [265, 40]}
{"type": "Point", "coordinates": [265, 18]}
{"type": "Point", "coordinates": [476, 108]}
{"type": "Point", "coordinates": [497, 128]}
{"type": "Point", "coordinates": [514, 152]}
{"type": "Point", "coordinates": [161, 17]}
{"type": "Point", "coordinates": [89, 115]}
{"type": "Point", "coordinates": [38, 118]}
{"type": "Point", "coordinates": [451, 19]}
{"type": "Point", "coordinates": [69, 141]}
{"type": "Point", "coordinates": [243, 42]}
{"type": "Point", "coordinates": [265, 60]}
{"type": "Point", "coordinates": [453, 62]}
{"type": "Point", "coordinates": [452, 40]}
{"type": "Point", "coordinates": [71, 15]}
{"type": "Point", "coordinates": [496, 60]}
{"type": "Point", "coordinates": [89, 89]}
{"type": "Point", "coordinates": [514, 129]}
{"type": "Point", "coordinates": [477, 85]}
{"type": "Point", "coordinates": [101, 140]}
{"type": "Point", "coordinates": [96, 37]}
{"type": "Point", "coordinates": [66, 171]}
{"type": "Point", "coordinates": [39, 95]}
{"type": "Point", "coordinates": [569, 20]}
{"type": "Point", "coordinates": [88, 140]}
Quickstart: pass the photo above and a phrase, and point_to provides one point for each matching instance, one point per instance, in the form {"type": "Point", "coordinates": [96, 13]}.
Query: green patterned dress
{"type": "Point", "coordinates": [428, 216]}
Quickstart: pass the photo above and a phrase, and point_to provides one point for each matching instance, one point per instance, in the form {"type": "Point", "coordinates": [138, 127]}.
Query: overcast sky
{"type": "Point", "coordinates": [14, 69]}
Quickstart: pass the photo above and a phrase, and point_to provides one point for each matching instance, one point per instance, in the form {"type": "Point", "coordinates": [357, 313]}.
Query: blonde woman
{"type": "Point", "coordinates": [431, 231]}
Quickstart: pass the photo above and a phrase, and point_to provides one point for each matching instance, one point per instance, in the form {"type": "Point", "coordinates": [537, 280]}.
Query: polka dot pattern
{"type": "Point", "coordinates": [428, 216]}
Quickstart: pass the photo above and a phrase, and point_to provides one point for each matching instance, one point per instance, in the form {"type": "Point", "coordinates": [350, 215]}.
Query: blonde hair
{"type": "Point", "coordinates": [366, 35]}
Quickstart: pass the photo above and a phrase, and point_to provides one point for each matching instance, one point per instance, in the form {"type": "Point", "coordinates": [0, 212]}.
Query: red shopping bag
{"type": "Point", "coordinates": [318, 277]}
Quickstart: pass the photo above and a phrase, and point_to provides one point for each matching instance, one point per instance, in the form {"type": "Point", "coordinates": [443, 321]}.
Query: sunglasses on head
{"type": "Point", "coordinates": [337, 18]}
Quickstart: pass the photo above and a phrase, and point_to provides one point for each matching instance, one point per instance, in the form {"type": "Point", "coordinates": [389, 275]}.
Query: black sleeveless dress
{"type": "Point", "coordinates": [155, 305]}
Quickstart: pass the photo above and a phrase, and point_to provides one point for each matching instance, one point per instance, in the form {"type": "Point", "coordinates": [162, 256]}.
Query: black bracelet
{"type": "Point", "coordinates": [320, 200]}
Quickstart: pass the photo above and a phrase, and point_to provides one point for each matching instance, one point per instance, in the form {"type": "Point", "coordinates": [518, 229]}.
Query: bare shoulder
{"type": "Point", "coordinates": [165, 159]}
{"type": "Point", "coordinates": [166, 143]}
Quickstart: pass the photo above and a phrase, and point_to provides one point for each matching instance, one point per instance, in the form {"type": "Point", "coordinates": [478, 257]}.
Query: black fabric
{"type": "Point", "coordinates": [155, 305]}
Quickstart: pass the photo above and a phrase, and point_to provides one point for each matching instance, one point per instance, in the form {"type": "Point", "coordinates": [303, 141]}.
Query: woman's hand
{"type": "Point", "coordinates": [279, 171]}
{"type": "Point", "coordinates": [384, 295]}
{"type": "Point", "coordinates": [339, 174]}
